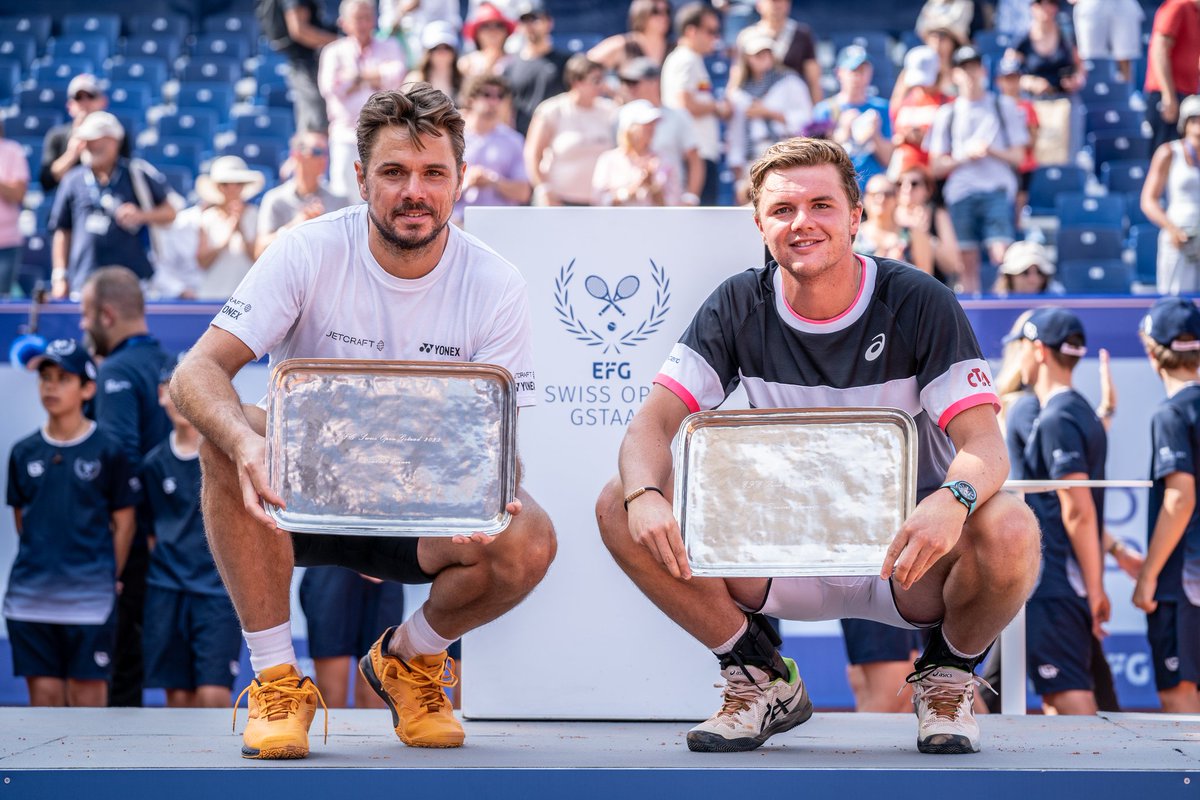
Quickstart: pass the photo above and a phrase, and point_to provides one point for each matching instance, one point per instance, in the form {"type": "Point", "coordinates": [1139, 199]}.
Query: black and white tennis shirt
{"type": "Point", "coordinates": [903, 343]}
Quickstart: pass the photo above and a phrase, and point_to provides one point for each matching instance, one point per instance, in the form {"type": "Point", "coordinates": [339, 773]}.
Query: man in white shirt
{"type": "Point", "coordinates": [381, 280]}
{"type": "Point", "coordinates": [351, 69]}
{"type": "Point", "coordinates": [686, 85]}
{"type": "Point", "coordinates": [674, 136]}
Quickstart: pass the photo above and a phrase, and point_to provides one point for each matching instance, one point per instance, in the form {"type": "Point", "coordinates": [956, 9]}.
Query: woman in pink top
{"type": "Point", "coordinates": [633, 174]}
{"type": "Point", "coordinates": [14, 178]}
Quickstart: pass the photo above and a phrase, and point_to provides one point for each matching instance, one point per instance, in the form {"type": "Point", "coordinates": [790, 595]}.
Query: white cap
{"type": "Point", "coordinates": [229, 169]}
{"type": "Point", "coordinates": [1025, 254]}
{"type": "Point", "coordinates": [754, 43]}
{"type": "Point", "coordinates": [1190, 107]}
{"type": "Point", "coordinates": [921, 65]}
{"type": "Point", "coordinates": [438, 32]}
{"type": "Point", "coordinates": [85, 82]}
{"type": "Point", "coordinates": [637, 112]}
{"type": "Point", "coordinates": [99, 125]}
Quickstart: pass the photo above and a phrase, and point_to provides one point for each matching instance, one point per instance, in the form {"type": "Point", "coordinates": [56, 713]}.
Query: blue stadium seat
{"type": "Point", "coordinates": [1102, 69]}
{"type": "Point", "coordinates": [132, 121]}
{"type": "Point", "coordinates": [992, 42]}
{"type": "Point", "coordinates": [1075, 208]}
{"type": "Point", "coordinates": [217, 96]}
{"type": "Point", "coordinates": [161, 45]}
{"type": "Point", "coordinates": [1144, 241]}
{"type": "Point", "coordinates": [177, 25]}
{"type": "Point", "coordinates": [1107, 117]}
{"type": "Point", "coordinates": [230, 23]}
{"type": "Point", "coordinates": [1085, 242]}
{"type": "Point", "coordinates": [22, 47]}
{"type": "Point", "coordinates": [215, 69]}
{"type": "Point", "coordinates": [31, 146]}
{"type": "Point", "coordinates": [129, 96]}
{"type": "Point", "coordinates": [1046, 183]}
{"type": "Point", "coordinates": [41, 214]}
{"type": "Point", "coordinates": [34, 122]}
{"type": "Point", "coordinates": [1117, 146]}
{"type": "Point", "coordinates": [223, 45]}
{"type": "Point", "coordinates": [35, 263]}
{"type": "Point", "coordinates": [59, 71]}
{"type": "Point", "coordinates": [265, 122]}
{"type": "Point", "coordinates": [1133, 207]}
{"type": "Point", "coordinates": [274, 96]}
{"type": "Point", "coordinates": [1107, 92]}
{"type": "Point", "coordinates": [37, 24]}
{"type": "Point", "coordinates": [265, 153]}
{"type": "Point", "coordinates": [1111, 276]}
{"type": "Point", "coordinates": [106, 25]}
{"type": "Point", "coordinates": [180, 151]}
{"type": "Point", "coordinates": [578, 42]}
{"type": "Point", "coordinates": [32, 97]}
{"type": "Point", "coordinates": [150, 70]}
{"type": "Point", "coordinates": [199, 123]}
{"type": "Point", "coordinates": [1124, 176]}
{"type": "Point", "coordinates": [10, 76]}
{"type": "Point", "coordinates": [80, 45]}
{"type": "Point", "coordinates": [877, 43]}
{"type": "Point", "coordinates": [271, 72]}
{"type": "Point", "coordinates": [181, 178]}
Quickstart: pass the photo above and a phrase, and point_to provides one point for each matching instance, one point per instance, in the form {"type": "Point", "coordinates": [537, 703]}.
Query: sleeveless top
{"type": "Point", "coordinates": [1183, 190]}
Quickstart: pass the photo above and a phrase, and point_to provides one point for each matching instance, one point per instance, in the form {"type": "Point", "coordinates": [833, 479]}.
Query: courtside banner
{"type": "Point", "coordinates": [611, 290]}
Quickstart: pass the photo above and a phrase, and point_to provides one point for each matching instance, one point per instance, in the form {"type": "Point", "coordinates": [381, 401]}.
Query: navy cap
{"type": "Point", "coordinates": [1052, 327]}
{"type": "Point", "coordinates": [1170, 318]}
{"type": "Point", "coordinates": [68, 354]}
{"type": "Point", "coordinates": [966, 55]}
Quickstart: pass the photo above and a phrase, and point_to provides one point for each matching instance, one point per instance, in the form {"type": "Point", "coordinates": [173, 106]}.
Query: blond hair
{"type": "Point", "coordinates": [1168, 359]}
{"type": "Point", "coordinates": [802, 151]}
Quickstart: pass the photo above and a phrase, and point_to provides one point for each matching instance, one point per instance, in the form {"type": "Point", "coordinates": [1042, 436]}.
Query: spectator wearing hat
{"type": "Point", "coordinates": [489, 29]}
{"type": "Point", "coordinates": [1068, 608]}
{"type": "Point", "coordinates": [61, 149]}
{"type": "Point", "coordinates": [649, 36]}
{"type": "Point", "coordinates": [228, 226]}
{"type": "Point", "coordinates": [536, 71]}
{"type": "Point", "coordinates": [495, 174]}
{"type": "Point", "coordinates": [770, 104]}
{"type": "Point", "coordinates": [674, 135]}
{"type": "Point", "coordinates": [632, 174]}
{"type": "Point", "coordinates": [295, 29]}
{"type": "Point", "coordinates": [352, 69]}
{"type": "Point", "coordinates": [1174, 176]}
{"type": "Point", "coordinates": [73, 495]}
{"type": "Point", "coordinates": [301, 197]}
{"type": "Point", "coordinates": [861, 124]}
{"type": "Point", "coordinates": [1170, 334]}
{"type": "Point", "coordinates": [14, 180]}
{"type": "Point", "coordinates": [962, 18]}
{"type": "Point", "coordinates": [97, 217]}
{"type": "Point", "coordinates": [1172, 65]}
{"type": "Point", "coordinates": [568, 133]}
{"type": "Point", "coordinates": [1027, 269]}
{"type": "Point", "coordinates": [944, 42]}
{"type": "Point", "coordinates": [915, 101]}
{"type": "Point", "coordinates": [438, 64]}
{"type": "Point", "coordinates": [686, 85]}
{"type": "Point", "coordinates": [976, 144]}
{"type": "Point", "coordinates": [791, 41]}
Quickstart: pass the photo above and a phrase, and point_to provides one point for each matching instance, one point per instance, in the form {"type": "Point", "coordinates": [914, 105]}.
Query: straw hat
{"type": "Point", "coordinates": [229, 169]}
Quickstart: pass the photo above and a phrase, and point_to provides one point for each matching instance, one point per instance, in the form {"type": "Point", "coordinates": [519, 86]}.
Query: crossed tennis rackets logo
{"type": "Point", "coordinates": [611, 334]}
{"type": "Point", "coordinates": [597, 287]}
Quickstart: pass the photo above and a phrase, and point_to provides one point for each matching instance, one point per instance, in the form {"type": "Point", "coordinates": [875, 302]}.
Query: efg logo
{"type": "Point", "coordinates": [601, 320]}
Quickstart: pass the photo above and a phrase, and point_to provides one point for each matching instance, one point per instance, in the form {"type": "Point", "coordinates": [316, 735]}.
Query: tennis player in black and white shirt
{"type": "Point", "coordinates": [822, 326]}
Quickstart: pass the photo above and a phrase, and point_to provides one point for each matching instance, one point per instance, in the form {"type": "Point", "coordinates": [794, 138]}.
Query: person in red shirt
{"type": "Point", "coordinates": [915, 101]}
{"type": "Point", "coordinates": [1173, 69]}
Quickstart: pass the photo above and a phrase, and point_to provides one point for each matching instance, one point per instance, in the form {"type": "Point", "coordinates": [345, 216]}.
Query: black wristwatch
{"type": "Point", "coordinates": [964, 493]}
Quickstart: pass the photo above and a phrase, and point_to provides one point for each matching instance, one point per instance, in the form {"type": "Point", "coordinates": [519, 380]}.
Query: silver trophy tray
{"type": "Point", "coordinates": [793, 492]}
{"type": "Point", "coordinates": [391, 448]}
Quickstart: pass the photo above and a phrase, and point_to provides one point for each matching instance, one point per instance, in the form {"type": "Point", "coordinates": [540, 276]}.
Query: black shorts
{"type": "Point", "coordinates": [345, 612]}
{"type": "Point", "coordinates": [50, 650]}
{"type": "Point", "coordinates": [190, 640]}
{"type": "Point", "coordinates": [389, 558]}
{"type": "Point", "coordinates": [1058, 640]}
{"type": "Point", "coordinates": [1173, 631]}
{"type": "Point", "coordinates": [870, 642]}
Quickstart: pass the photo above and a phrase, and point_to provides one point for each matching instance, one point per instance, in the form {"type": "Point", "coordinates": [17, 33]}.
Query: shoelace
{"type": "Point", "coordinates": [280, 696]}
{"type": "Point", "coordinates": [430, 685]}
{"type": "Point", "coordinates": [943, 699]}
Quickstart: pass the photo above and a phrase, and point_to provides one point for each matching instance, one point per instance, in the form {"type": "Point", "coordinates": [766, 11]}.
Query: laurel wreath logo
{"type": "Point", "coordinates": [612, 340]}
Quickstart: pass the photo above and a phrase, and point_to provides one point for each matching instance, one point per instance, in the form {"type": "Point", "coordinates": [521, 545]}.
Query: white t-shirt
{"type": "Point", "coordinates": [684, 71]}
{"type": "Point", "coordinates": [317, 292]}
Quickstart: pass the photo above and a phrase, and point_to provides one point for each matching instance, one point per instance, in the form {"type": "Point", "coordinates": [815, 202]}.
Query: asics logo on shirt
{"type": "Point", "coordinates": [875, 348]}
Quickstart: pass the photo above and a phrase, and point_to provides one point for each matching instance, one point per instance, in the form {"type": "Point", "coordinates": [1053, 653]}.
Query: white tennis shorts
{"type": "Point", "coordinates": [812, 599]}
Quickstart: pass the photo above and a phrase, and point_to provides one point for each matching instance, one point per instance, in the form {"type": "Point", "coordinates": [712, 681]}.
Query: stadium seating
{"type": "Point", "coordinates": [134, 96]}
{"type": "Point", "coordinates": [1046, 183]}
{"type": "Point", "coordinates": [1108, 276]}
{"type": "Point", "coordinates": [265, 122]}
{"type": "Point", "coordinates": [180, 178]}
{"type": "Point", "coordinates": [35, 262]}
{"type": "Point", "coordinates": [1117, 146]}
{"type": "Point", "coordinates": [39, 25]}
{"type": "Point", "coordinates": [275, 96]}
{"type": "Point", "coordinates": [1133, 207]}
{"type": "Point", "coordinates": [106, 25]}
{"type": "Point", "coordinates": [1124, 176]}
{"type": "Point", "coordinates": [182, 151]}
{"type": "Point", "coordinates": [222, 45]}
{"type": "Point", "coordinates": [138, 24]}
{"type": "Point", "coordinates": [1144, 241]}
{"type": "Point", "coordinates": [217, 96]}
{"type": "Point", "coordinates": [1107, 117]}
{"type": "Point", "coordinates": [1102, 69]}
{"type": "Point", "coordinates": [1075, 209]}
{"type": "Point", "coordinates": [265, 153]}
{"type": "Point", "coordinates": [94, 46]}
{"type": "Point", "coordinates": [197, 123]}
{"type": "Point", "coordinates": [10, 76]}
{"type": "Point", "coordinates": [230, 23]}
{"type": "Point", "coordinates": [151, 70]}
{"type": "Point", "coordinates": [166, 46]}
{"type": "Point", "coordinates": [1079, 242]}
{"type": "Point", "coordinates": [32, 97]}
{"type": "Point", "coordinates": [34, 122]}
{"type": "Point", "coordinates": [31, 146]}
{"type": "Point", "coordinates": [21, 47]}
{"type": "Point", "coordinates": [1096, 92]}
{"type": "Point", "coordinates": [214, 69]}
{"type": "Point", "coordinates": [59, 71]}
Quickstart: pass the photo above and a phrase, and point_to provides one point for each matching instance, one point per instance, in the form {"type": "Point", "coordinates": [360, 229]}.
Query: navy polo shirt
{"type": "Point", "coordinates": [1175, 447]}
{"type": "Point", "coordinates": [81, 207]}
{"type": "Point", "coordinates": [127, 396]}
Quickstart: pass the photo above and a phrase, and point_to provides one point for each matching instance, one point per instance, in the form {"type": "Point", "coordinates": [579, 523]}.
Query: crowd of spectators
{"type": "Point", "coordinates": [972, 108]}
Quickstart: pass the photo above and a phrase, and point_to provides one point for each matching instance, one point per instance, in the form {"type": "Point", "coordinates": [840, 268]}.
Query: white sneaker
{"type": "Point", "coordinates": [755, 709]}
{"type": "Point", "coordinates": [943, 698]}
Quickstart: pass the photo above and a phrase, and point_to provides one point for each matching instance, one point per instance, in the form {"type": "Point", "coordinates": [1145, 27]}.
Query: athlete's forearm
{"type": "Point", "coordinates": [203, 392]}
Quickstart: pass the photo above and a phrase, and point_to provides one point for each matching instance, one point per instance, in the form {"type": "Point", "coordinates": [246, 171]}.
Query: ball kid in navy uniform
{"type": "Point", "coordinates": [73, 495]}
{"type": "Point", "coordinates": [1067, 442]}
{"type": "Point", "coordinates": [191, 634]}
{"type": "Point", "coordinates": [1168, 587]}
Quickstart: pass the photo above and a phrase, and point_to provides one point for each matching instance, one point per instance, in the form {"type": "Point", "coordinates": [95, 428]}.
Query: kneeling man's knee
{"type": "Point", "coordinates": [523, 565]}
{"type": "Point", "coordinates": [610, 515]}
{"type": "Point", "coordinates": [1009, 538]}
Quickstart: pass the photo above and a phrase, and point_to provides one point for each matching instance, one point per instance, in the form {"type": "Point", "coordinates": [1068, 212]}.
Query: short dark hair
{"type": "Point", "coordinates": [477, 83]}
{"type": "Point", "coordinates": [640, 12]}
{"type": "Point", "coordinates": [692, 15]}
{"type": "Point", "coordinates": [578, 67]}
{"type": "Point", "coordinates": [422, 109]}
{"type": "Point", "coordinates": [1061, 358]}
{"type": "Point", "coordinates": [802, 151]}
{"type": "Point", "coordinates": [118, 288]}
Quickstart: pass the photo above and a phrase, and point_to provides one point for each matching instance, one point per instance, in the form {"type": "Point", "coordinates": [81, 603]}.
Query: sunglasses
{"type": "Point", "coordinates": [657, 10]}
{"type": "Point", "coordinates": [85, 96]}
{"type": "Point", "coordinates": [528, 18]}
{"type": "Point", "coordinates": [314, 151]}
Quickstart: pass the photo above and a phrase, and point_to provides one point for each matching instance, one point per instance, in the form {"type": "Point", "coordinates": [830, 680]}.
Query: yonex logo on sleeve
{"type": "Point", "coordinates": [875, 348]}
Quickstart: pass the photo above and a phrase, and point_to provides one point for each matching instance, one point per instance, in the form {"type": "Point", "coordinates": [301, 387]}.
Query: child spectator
{"type": "Point", "coordinates": [73, 494]}
{"type": "Point", "coordinates": [915, 101]}
{"type": "Point", "coordinates": [1168, 588]}
{"type": "Point", "coordinates": [1008, 83]}
{"type": "Point", "coordinates": [192, 635]}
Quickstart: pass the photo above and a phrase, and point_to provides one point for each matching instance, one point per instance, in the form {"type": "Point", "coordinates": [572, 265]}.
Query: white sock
{"type": "Point", "coordinates": [415, 637]}
{"type": "Point", "coordinates": [958, 652]}
{"type": "Point", "coordinates": [725, 648]}
{"type": "Point", "coordinates": [271, 647]}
